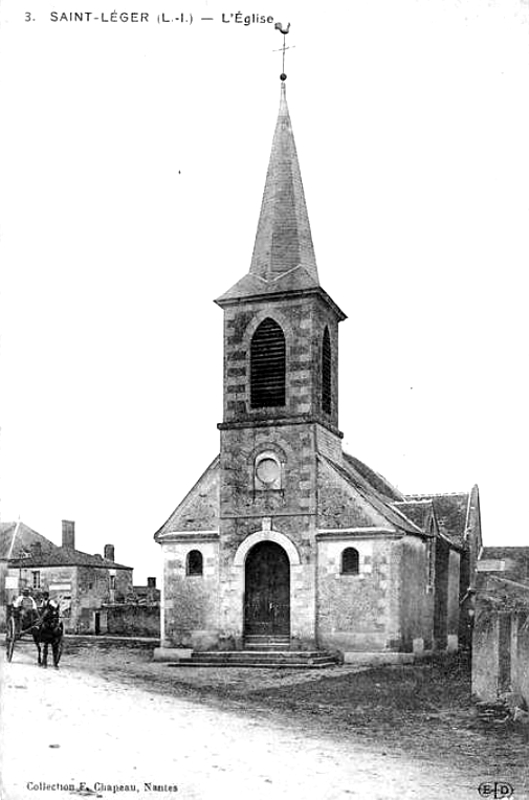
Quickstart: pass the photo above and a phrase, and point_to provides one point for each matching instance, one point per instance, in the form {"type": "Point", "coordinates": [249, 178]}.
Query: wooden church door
{"type": "Point", "coordinates": [267, 593]}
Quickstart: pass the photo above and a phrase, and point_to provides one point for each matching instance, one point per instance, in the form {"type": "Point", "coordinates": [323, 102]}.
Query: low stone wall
{"type": "Point", "coordinates": [131, 619]}
{"type": "Point", "coordinates": [500, 654]}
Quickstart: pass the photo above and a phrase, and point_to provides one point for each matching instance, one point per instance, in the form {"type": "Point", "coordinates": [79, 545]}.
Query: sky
{"type": "Point", "coordinates": [133, 160]}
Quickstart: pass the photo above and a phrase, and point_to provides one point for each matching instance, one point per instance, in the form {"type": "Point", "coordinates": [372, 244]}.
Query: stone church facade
{"type": "Point", "coordinates": [286, 540]}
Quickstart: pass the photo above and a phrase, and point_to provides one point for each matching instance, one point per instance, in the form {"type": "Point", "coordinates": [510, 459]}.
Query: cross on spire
{"type": "Point", "coordinates": [279, 27]}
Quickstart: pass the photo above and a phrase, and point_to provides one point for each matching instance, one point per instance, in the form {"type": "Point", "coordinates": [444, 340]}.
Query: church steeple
{"type": "Point", "coordinates": [283, 257]}
{"type": "Point", "coordinates": [283, 241]}
{"type": "Point", "coordinates": [280, 326]}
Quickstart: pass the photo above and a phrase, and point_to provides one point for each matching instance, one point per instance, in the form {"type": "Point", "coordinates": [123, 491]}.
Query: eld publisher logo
{"type": "Point", "coordinates": [496, 789]}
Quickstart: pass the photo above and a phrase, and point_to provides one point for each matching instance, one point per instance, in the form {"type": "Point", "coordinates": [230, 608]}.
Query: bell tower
{"type": "Point", "coordinates": [280, 326]}
{"type": "Point", "coordinates": [280, 395]}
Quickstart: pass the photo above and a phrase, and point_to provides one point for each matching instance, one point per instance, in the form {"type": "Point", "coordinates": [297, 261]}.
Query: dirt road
{"type": "Point", "coordinates": [85, 736]}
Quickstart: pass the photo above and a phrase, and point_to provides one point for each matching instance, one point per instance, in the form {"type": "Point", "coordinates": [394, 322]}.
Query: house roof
{"type": "Point", "coordinates": [511, 561]}
{"type": "Point", "coordinates": [498, 593]}
{"type": "Point", "coordinates": [67, 557]}
{"type": "Point", "coordinates": [518, 554]}
{"type": "Point", "coordinates": [16, 538]}
{"type": "Point", "coordinates": [18, 541]}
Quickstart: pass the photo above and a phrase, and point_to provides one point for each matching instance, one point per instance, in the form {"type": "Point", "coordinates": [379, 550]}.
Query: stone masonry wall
{"type": "Point", "coordinates": [520, 650]}
{"type": "Point", "coordinates": [416, 602]}
{"type": "Point", "coordinates": [294, 533]}
{"type": "Point", "coordinates": [132, 619]}
{"type": "Point", "coordinates": [454, 582]}
{"type": "Point", "coordinates": [190, 602]}
{"type": "Point", "coordinates": [485, 656]}
{"type": "Point", "coordinates": [353, 610]}
{"type": "Point", "coordinates": [303, 322]}
{"type": "Point", "coordinates": [289, 509]}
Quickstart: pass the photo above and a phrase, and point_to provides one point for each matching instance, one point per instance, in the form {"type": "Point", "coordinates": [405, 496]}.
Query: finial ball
{"type": "Point", "coordinates": [283, 76]}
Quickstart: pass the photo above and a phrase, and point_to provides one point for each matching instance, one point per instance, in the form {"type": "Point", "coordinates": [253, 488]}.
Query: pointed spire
{"type": "Point", "coordinates": [283, 239]}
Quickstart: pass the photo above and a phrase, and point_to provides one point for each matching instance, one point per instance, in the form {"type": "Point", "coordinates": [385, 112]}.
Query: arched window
{"type": "Point", "coordinates": [267, 365]}
{"type": "Point", "coordinates": [326, 372]}
{"type": "Point", "coordinates": [194, 563]}
{"type": "Point", "coordinates": [350, 561]}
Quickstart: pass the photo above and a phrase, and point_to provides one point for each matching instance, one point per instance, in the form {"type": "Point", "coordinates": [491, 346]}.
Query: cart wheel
{"type": "Point", "coordinates": [10, 638]}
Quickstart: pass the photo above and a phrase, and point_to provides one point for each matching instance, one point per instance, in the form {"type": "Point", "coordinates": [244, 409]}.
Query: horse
{"type": "Point", "coordinates": [48, 630]}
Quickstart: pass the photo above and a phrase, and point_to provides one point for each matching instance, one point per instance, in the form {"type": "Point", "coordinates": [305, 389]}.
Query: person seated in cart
{"type": "Point", "coordinates": [25, 611]}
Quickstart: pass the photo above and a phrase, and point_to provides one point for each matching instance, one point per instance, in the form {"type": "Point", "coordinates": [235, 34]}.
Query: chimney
{"type": "Point", "coordinates": [109, 552]}
{"type": "Point", "coordinates": [36, 550]}
{"type": "Point", "coordinates": [151, 583]}
{"type": "Point", "coordinates": [68, 534]}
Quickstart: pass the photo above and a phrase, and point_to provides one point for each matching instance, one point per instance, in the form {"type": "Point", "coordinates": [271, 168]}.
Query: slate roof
{"type": "Point", "coordinates": [50, 554]}
{"type": "Point", "coordinates": [377, 481]}
{"type": "Point", "coordinates": [67, 557]}
{"type": "Point", "coordinates": [13, 546]}
{"type": "Point", "coordinates": [369, 491]}
{"type": "Point", "coordinates": [416, 510]}
{"type": "Point", "coordinates": [283, 239]}
{"type": "Point", "coordinates": [450, 511]}
{"type": "Point", "coordinates": [283, 258]}
{"type": "Point", "coordinates": [519, 554]}
{"type": "Point", "coordinates": [516, 560]}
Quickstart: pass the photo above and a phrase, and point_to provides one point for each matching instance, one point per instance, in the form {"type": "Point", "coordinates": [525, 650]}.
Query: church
{"type": "Point", "coordinates": [286, 541]}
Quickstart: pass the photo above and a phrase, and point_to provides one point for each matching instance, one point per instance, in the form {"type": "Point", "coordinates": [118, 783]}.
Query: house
{"type": "Point", "coordinates": [286, 540]}
{"type": "Point", "coordinates": [17, 540]}
{"type": "Point", "coordinates": [500, 652]}
{"type": "Point", "coordinates": [81, 582]}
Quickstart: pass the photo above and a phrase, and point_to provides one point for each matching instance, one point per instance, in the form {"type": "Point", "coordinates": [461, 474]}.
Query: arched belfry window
{"type": "Point", "coordinates": [350, 561]}
{"type": "Point", "coordinates": [267, 365]}
{"type": "Point", "coordinates": [194, 563]}
{"type": "Point", "coordinates": [326, 372]}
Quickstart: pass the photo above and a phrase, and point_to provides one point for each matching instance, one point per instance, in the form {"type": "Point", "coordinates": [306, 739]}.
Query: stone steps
{"type": "Point", "coordinates": [270, 659]}
{"type": "Point", "coordinates": [267, 643]}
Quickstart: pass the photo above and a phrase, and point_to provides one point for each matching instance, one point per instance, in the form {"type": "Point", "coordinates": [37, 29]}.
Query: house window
{"type": "Point", "coordinates": [350, 561]}
{"type": "Point", "coordinates": [267, 366]}
{"type": "Point", "coordinates": [112, 581]}
{"type": "Point", "coordinates": [326, 372]}
{"type": "Point", "coordinates": [194, 564]}
{"type": "Point", "coordinates": [35, 576]}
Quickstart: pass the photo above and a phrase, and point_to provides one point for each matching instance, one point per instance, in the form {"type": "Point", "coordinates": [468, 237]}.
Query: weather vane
{"type": "Point", "coordinates": [279, 27]}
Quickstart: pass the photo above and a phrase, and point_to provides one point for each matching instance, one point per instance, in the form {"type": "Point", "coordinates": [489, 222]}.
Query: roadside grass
{"type": "Point", "coordinates": [385, 694]}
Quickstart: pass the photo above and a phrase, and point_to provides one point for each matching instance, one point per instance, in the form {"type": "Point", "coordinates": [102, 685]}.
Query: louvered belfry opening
{"type": "Point", "coordinates": [268, 366]}
{"type": "Point", "coordinates": [326, 373]}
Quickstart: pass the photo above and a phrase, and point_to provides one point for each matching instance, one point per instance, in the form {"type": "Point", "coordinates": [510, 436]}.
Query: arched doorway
{"type": "Point", "coordinates": [267, 591]}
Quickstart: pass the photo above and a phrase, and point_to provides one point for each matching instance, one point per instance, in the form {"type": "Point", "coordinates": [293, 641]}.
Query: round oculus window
{"type": "Point", "coordinates": [268, 470]}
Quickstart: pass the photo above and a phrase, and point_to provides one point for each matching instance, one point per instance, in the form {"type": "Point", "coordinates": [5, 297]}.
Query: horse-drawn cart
{"type": "Point", "coordinates": [44, 629]}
